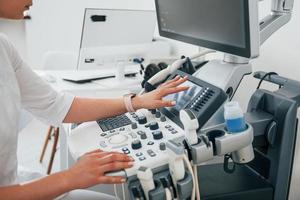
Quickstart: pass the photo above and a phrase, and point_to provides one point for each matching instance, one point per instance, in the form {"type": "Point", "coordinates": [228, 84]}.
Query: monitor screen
{"type": "Point", "coordinates": [183, 98]}
{"type": "Point", "coordinates": [216, 24]}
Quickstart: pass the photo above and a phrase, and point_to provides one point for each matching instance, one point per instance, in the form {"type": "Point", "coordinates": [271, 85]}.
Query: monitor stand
{"type": "Point", "coordinates": [226, 74]}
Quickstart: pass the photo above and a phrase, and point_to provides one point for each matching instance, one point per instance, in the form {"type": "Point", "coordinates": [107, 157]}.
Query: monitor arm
{"type": "Point", "coordinates": [280, 15]}
{"type": "Point", "coordinates": [285, 6]}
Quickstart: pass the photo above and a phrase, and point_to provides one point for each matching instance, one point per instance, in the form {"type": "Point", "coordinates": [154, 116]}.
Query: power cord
{"type": "Point", "coordinates": [264, 77]}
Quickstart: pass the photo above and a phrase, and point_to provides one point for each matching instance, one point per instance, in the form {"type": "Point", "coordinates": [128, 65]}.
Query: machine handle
{"type": "Point", "coordinates": [271, 78]}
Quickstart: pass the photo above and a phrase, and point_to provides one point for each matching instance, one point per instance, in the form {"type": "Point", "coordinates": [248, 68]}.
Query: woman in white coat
{"type": "Point", "coordinates": [20, 88]}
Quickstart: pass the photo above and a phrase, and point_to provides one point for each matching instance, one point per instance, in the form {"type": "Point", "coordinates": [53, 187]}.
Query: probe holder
{"type": "Point", "coordinates": [218, 142]}
{"type": "Point", "coordinates": [183, 187]}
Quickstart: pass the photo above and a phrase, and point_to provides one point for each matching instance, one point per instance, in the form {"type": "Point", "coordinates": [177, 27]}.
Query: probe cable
{"type": "Point", "coordinates": [123, 191]}
{"type": "Point", "coordinates": [197, 183]}
{"type": "Point", "coordinates": [168, 194]}
{"type": "Point", "coordinates": [186, 160]}
{"type": "Point", "coordinates": [116, 192]}
{"type": "Point", "coordinates": [264, 77]}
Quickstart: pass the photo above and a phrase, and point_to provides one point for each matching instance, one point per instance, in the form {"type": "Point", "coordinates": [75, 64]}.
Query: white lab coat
{"type": "Point", "coordinates": [20, 88]}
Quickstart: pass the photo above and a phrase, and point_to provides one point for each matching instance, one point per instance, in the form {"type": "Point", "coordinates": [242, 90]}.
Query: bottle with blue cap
{"type": "Point", "coordinates": [234, 117]}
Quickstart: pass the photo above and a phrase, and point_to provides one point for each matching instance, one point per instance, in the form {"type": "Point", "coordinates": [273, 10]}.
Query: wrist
{"type": "Point", "coordinates": [68, 180]}
{"type": "Point", "coordinates": [137, 102]}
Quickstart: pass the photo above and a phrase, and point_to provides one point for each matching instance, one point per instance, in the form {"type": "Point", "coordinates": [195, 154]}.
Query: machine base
{"type": "Point", "coordinates": [243, 184]}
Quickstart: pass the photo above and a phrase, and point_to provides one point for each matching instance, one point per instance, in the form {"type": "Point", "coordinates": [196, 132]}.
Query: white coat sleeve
{"type": "Point", "coordinates": [38, 97]}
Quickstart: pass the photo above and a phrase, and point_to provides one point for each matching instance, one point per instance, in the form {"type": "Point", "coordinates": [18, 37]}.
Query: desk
{"type": "Point", "coordinates": [109, 84]}
{"type": "Point", "coordinates": [102, 88]}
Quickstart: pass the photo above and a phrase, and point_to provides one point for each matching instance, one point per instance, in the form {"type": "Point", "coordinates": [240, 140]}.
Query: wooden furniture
{"type": "Point", "coordinates": [52, 132]}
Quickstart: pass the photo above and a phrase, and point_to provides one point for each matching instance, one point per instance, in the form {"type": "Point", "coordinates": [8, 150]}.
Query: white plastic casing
{"type": "Point", "coordinates": [190, 127]}
{"type": "Point", "coordinates": [145, 177]}
{"type": "Point", "coordinates": [176, 160]}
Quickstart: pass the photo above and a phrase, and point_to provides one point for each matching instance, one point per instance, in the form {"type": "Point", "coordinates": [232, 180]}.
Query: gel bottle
{"type": "Point", "coordinates": [235, 124]}
{"type": "Point", "coordinates": [234, 117]}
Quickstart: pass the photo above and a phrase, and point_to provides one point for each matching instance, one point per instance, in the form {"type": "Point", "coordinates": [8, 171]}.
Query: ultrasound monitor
{"type": "Point", "coordinates": [229, 26]}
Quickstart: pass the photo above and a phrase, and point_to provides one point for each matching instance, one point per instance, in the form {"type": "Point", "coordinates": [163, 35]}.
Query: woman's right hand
{"type": "Point", "coordinates": [90, 169]}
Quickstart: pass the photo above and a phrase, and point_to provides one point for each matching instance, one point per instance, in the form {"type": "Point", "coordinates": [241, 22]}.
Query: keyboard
{"type": "Point", "coordinates": [84, 76]}
{"type": "Point", "coordinates": [114, 122]}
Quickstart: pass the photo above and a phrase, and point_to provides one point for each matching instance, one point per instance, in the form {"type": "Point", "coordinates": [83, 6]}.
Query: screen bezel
{"type": "Point", "coordinates": [219, 97]}
{"type": "Point", "coordinates": [251, 34]}
{"type": "Point", "coordinates": [174, 116]}
{"type": "Point", "coordinates": [191, 100]}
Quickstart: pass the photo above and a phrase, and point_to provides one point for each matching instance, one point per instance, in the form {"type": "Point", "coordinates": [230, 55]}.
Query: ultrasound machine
{"type": "Point", "coordinates": [186, 151]}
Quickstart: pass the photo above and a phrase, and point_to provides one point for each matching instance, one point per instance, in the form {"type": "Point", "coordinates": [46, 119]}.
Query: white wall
{"type": "Point", "coordinates": [281, 53]}
{"type": "Point", "coordinates": [57, 24]}
{"type": "Point", "coordinates": [15, 31]}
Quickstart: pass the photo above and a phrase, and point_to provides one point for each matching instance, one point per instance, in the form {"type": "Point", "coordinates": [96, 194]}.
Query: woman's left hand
{"type": "Point", "coordinates": [154, 99]}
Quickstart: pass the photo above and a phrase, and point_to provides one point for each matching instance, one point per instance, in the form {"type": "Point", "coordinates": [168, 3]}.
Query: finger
{"type": "Point", "coordinates": [111, 179]}
{"type": "Point", "coordinates": [173, 80]}
{"type": "Point", "coordinates": [99, 154]}
{"type": "Point", "coordinates": [162, 104]}
{"type": "Point", "coordinates": [181, 80]}
{"type": "Point", "coordinates": [170, 81]}
{"type": "Point", "coordinates": [116, 157]}
{"type": "Point", "coordinates": [117, 153]}
{"type": "Point", "coordinates": [115, 166]}
{"type": "Point", "coordinates": [178, 82]}
{"type": "Point", "coordinates": [174, 90]}
{"type": "Point", "coordinates": [95, 151]}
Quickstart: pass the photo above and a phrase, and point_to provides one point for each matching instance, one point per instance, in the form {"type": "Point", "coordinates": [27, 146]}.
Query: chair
{"type": "Point", "coordinates": [56, 60]}
{"type": "Point", "coordinates": [54, 146]}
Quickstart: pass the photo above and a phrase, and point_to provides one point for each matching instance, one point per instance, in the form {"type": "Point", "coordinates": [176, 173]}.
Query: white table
{"type": "Point", "coordinates": [106, 88]}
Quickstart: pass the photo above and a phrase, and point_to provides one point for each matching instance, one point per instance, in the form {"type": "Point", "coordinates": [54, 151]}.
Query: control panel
{"type": "Point", "coordinates": [144, 138]}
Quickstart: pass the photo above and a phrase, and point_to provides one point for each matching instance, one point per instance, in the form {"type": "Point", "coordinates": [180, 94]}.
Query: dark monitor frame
{"type": "Point", "coordinates": [251, 34]}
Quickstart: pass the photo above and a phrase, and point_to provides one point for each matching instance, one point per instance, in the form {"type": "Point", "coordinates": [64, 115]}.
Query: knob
{"type": "Point", "coordinates": [140, 132]}
{"type": "Point", "coordinates": [163, 119]}
{"type": "Point", "coordinates": [157, 114]}
{"type": "Point", "coordinates": [157, 135]}
{"type": "Point", "coordinates": [162, 146]}
{"type": "Point", "coordinates": [153, 126]}
{"type": "Point", "coordinates": [134, 125]}
{"type": "Point", "coordinates": [153, 111]}
{"type": "Point", "coordinates": [143, 136]}
{"type": "Point", "coordinates": [134, 116]}
{"type": "Point", "coordinates": [142, 120]}
{"type": "Point", "coordinates": [136, 144]}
